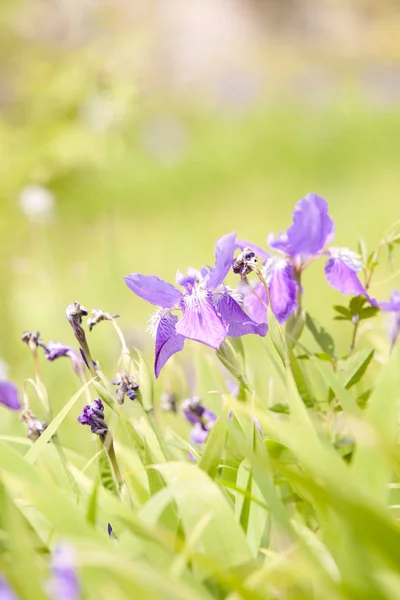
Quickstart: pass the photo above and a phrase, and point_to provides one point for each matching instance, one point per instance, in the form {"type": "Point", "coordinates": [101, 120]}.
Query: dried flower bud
{"type": "Point", "coordinates": [245, 262]}
{"type": "Point", "coordinates": [168, 403]}
{"type": "Point", "coordinates": [35, 427]}
{"type": "Point", "coordinates": [33, 340]}
{"type": "Point", "coordinates": [99, 315]}
{"type": "Point", "coordinates": [75, 312]}
{"type": "Point", "coordinates": [127, 386]}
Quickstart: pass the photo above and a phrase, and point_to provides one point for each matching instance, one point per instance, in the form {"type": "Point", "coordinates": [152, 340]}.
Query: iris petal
{"type": "Point", "coordinates": [311, 231]}
{"type": "Point", "coordinates": [200, 320]}
{"type": "Point", "coordinates": [168, 342]}
{"type": "Point", "coordinates": [153, 290]}
{"type": "Point", "coordinates": [260, 252]}
{"type": "Point", "coordinates": [238, 322]}
{"type": "Point", "coordinates": [9, 395]}
{"type": "Point", "coordinates": [224, 251]}
{"type": "Point", "coordinates": [283, 290]}
{"type": "Point", "coordinates": [343, 278]}
{"type": "Point", "coordinates": [254, 307]}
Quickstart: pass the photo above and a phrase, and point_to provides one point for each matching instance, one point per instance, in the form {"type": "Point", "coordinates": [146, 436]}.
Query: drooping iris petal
{"type": "Point", "coordinates": [200, 320]}
{"type": "Point", "coordinates": [224, 251]}
{"type": "Point", "coordinates": [394, 327]}
{"type": "Point", "coordinates": [168, 341]}
{"type": "Point", "coordinates": [256, 309]}
{"type": "Point", "coordinates": [238, 322]}
{"type": "Point", "coordinates": [153, 290]}
{"type": "Point", "coordinates": [282, 288]}
{"type": "Point", "coordinates": [260, 252]}
{"type": "Point", "coordinates": [312, 229]}
{"type": "Point", "coordinates": [9, 395]}
{"type": "Point", "coordinates": [393, 307]}
{"type": "Point", "coordinates": [343, 278]}
{"type": "Point", "coordinates": [394, 303]}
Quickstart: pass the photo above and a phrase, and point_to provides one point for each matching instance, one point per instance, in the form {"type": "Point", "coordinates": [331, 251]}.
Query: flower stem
{"type": "Point", "coordinates": [109, 446]}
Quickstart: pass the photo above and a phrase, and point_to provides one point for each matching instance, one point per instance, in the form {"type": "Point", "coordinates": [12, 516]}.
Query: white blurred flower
{"type": "Point", "coordinates": [4, 369]}
{"type": "Point", "coordinates": [37, 203]}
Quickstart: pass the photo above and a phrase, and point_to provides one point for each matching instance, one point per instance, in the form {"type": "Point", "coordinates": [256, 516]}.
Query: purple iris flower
{"type": "Point", "coordinates": [210, 311]}
{"type": "Point", "coordinates": [9, 395]}
{"type": "Point", "coordinates": [392, 307]}
{"type": "Point", "coordinates": [200, 417]}
{"type": "Point", "coordinates": [305, 240]}
{"type": "Point", "coordinates": [6, 593]}
{"type": "Point", "coordinates": [56, 350]}
{"type": "Point", "coordinates": [64, 584]}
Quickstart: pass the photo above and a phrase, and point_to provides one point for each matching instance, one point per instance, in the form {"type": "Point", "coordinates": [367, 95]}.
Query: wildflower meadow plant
{"type": "Point", "coordinates": [239, 470]}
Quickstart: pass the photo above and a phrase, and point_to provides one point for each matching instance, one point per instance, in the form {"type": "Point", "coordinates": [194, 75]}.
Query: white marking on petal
{"type": "Point", "coordinates": [348, 257]}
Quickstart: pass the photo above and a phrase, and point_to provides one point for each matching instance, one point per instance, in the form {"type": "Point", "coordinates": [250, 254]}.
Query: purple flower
{"type": "Point", "coordinates": [6, 593]}
{"type": "Point", "coordinates": [93, 415]}
{"type": "Point", "coordinates": [209, 310]}
{"type": "Point", "coordinates": [55, 350]}
{"type": "Point", "coordinates": [64, 584]}
{"type": "Point", "coordinates": [9, 395]}
{"type": "Point", "coordinates": [200, 417]}
{"type": "Point", "coordinates": [305, 240]}
{"type": "Point", "coordinates": [392, 307]}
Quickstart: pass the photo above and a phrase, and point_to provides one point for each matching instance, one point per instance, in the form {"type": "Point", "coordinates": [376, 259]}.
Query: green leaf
{"type": "Point", "coordinates": [91, 514]}
{"type": "Point", "coordinates": [280, 408]}
{"type": "Point", "coordinates": [105, 470]}
{"type": "Point", "coordinates": [294, 327]}
{"type": "Point", "coordinates": [231, 356]}
{"type": "Point", "coordinates": [222, 543]}
{"type": "Point", "coordinates": [146, 388]}
{"type": "Point", "coordinates": [372, 461]}
{"type": "Point", "coordinates": [355, 367]}
{"type": "Point", "coordinates": [368, 312]}
{"type": "Point", "coordinates": [215, 445]}
{"type": "Point", "coordinates": [343, 395]}
{"type": "Point", "coordinates": [300, 380]}
{"type": "Point", "coordinates": [342, 310]}
{"type": "Point", "coordinates": [356, 305]}
{"type": "Point", "coordinates": [51, 429]}
{"type": "Point", "coordinates": [321, 336]}
{"type": "Point", "coordinates": [276, 334]}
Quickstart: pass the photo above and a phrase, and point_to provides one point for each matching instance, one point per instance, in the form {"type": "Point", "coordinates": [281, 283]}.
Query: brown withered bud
{"type": "Point", "coordinates": [35, 427]}
{"type": "Point", "coordinates": [33, 340]}
{"type": "Point", "coordinates": [75, 312]}
{"type": "Point", "coordinates": [245, 262]}
{"type": "Point", "coordinates": [99, 315]}
{"type": "Point", "coordinates": [168, 403]}
{"type": "Point", "coordinates": [126, 386]}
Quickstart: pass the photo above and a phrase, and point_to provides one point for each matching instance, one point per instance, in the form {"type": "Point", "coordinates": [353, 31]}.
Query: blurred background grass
{"type": "Point", "coordinates": [151, 129]}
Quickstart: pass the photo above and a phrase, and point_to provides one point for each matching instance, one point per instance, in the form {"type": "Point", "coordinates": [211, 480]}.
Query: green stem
{"type": "Point", "coordinates": [109, 446]}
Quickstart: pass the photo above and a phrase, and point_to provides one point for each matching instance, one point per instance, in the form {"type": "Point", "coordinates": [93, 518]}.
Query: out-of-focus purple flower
{"type": "Point", "coordinates": [200, 417]}
{"type": "Point", "coordinates": [9, 395]}
{"type": "Point", "coordinates": [93, 415]}
{"type": "Point", "coordinates": [393, 308]}
{"type": "Point", "coordinates": [6, 593]}
{"type": "Point", "coordinates": [64, 584]}
{"type": "Point", "coordinates": [209, 310]}
{"type": "Point", "coordinates": [55, 350]}
{"type": "Point", "coordinates": [305, 240]}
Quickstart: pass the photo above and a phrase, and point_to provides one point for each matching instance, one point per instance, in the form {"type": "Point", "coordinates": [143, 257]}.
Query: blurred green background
{"type": "Point", "coordinates": [133, 135]}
